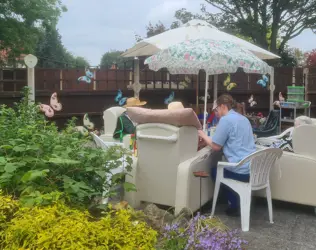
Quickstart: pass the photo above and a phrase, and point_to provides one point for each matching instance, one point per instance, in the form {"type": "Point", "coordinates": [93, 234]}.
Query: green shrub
{"type": "Point", "coordinates": [38, 162]}
{"type": "Point", "coordinates": [61, 227]}
{"type": "Point", "coordinates": [8, 207]}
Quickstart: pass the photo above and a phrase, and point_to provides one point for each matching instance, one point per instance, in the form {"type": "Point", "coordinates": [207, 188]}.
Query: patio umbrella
{"type": "Point", "coordinates": [213, 56]}
{"type": "Point", "coordinates": [194, 29]}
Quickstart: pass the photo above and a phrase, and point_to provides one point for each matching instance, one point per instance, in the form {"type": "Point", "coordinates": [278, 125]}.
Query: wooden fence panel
{"type": "Point", "coordinates": [79, 98]}
{"type": "Point", "coordinates": [47, 79]}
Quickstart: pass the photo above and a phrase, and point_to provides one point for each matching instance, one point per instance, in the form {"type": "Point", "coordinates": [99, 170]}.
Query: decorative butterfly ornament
{"type": "Point", "coordinates": [120, 99]}
{"type": "Point", "coordinates": [203, 97]}
{"type": "Point", "coordinates": [48, 110]}
{"type": "Point", "coordinates": [251, 101]}
{"type": "Point", "coordinates": [87, 126]}
{"type": "Point", "coordinates": [87, 78]}
{"type": "Point", "coordinates": [169, 99]}
{"type": "Point", "coordinates": [228, 84]}
{"type": "Point", "coordinates": [264, 81]}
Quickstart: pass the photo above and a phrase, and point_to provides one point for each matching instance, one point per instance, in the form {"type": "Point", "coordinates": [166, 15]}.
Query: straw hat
{"type": "Point", "coordinates": [132, 102]}
{"type": "Point", "coordinates": [175, 105]}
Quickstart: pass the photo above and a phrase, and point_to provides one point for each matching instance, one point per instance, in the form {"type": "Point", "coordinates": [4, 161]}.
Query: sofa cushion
{"type": "Point", "coordinates": [304, 138]}
{"type": "Point", "coordinates": [176, 117]}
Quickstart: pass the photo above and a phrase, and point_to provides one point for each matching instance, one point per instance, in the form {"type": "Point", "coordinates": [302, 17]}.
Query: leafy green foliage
{"type": "Point", "coordinates": [52, 53]}
{"type": "Point", "coordinates": [311, 58]}
{"type": "Point", "coordinates": [114, 57]}
{"type": "Point", "coordinates": [38, 163]}
{"type": "Point", "coordinates": [265, 22]}
{"type": "Point", "coordinates": [20, 21]}
{"type": "Point", "coordinates": [58, 226]}
{"type": "Point", "coordinates": [8, 207]}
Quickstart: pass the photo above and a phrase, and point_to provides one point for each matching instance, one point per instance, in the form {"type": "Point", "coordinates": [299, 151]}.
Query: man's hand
{"type": "Point", "coordinates": [203, 138]}
{"type": "Point", "coordinates": [208, 141]}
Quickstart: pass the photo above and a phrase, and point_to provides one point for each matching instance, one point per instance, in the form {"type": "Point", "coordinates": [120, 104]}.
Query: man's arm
{"type": "Point", "coordinates": [220, 137]}
{"type": "Point", "coordinates": [209, 141]}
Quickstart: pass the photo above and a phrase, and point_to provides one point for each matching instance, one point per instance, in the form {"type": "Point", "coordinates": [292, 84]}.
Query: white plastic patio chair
{"type": "Point", "coordinates": [106, 145]}
{"type": "Point", "coordinates": [260, 165]}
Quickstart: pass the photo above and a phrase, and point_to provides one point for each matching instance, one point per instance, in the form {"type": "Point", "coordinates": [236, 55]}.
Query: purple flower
{"type": "Point", "coordinates": [201, 237]}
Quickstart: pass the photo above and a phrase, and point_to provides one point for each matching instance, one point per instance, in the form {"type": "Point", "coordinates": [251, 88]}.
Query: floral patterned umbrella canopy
{"type": "Point", "coordinates": [215, 57]}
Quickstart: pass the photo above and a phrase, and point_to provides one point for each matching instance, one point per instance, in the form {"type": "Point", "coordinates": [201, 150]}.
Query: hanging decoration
{"type": "Point", "coordinates": [228, 84]}
{"type": "Point", "coordinates": [120, 99]}
{"type": "Point", "coordinates": [263, 81]}
{"type": "Point", "coordinates": [87, 126]}
{"type": "Point", "coordinates": [203, 97]}
{"type": "Point", "coordinates": [48, 110]}
{"type": "Point", "coordinates": [170, 98]}
{"type": "Point", "coordinates": [251, 101]}
{"type": "Point", "coordinates": [87, 78]}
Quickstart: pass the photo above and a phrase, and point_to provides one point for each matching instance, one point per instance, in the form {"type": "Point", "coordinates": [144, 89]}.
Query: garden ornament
{"type": "Point", "coordinates": [170, 98]}
{"type": "Point", "coordinates": [87, 126]}
{"type": "Point", "coordinates": [30, 61]}
{"type": "Point", "coordinates": [228, 84]}
{"type": "Point", "coordinates": [251, 101]}
{"type": "Point", "coordinates": [87, 78]}
{"type": "Point", "coordinates": [203, 97]}
{"type": "Point", "coordinates": [120, 99]}
{"type": "Point", "coordinates": [137, 87]}
{"type": "Point", "coordinates": [264, 81]}
{"type": "Point", "coordinates": [48, 110]}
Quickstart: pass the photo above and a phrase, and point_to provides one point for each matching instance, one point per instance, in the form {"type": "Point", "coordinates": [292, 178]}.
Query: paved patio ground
{"type": "Point", "coordinates": [294, 226]}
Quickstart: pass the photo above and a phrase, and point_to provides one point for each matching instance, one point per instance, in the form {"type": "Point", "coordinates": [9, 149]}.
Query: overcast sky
{"type": "Point", "coordinates": [91, 28]}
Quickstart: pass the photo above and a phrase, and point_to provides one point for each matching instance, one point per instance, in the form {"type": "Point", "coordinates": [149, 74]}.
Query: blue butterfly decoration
{"type": "Point", "coordinates": [120, 99]}
{"type": "Point", "coordinates": [87, 78]}
{"type": "Point", "coordinates": [170, 98]}
{"type": "Point", "coordinates": [264, 81]}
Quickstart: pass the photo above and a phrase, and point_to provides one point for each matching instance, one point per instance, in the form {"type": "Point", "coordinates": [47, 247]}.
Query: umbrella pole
{"type": "Point", "coordinates": [215, 87]}
{"type": "Point", "coordinates": [205, 102]}
{"type": "Point", "coordinates": [197, 96]}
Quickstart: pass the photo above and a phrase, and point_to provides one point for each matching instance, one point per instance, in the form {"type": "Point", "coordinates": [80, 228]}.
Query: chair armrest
{"type": "Point", "coordinates": [271, 139]}
{"type": "Point", "coordinates": [188, 186]}
{"type": "Point", "coordinates": [227, 164]}
{"type": "Point", "coordinates": [264, 132]}
{"type": "Point", "coordinates": [267, 140]}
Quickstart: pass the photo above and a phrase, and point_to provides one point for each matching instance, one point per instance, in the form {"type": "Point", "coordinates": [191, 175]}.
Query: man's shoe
{"type": "Point", "coordinates": [233, 212]}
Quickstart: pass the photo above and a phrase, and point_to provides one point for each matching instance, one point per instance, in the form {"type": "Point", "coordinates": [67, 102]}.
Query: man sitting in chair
{"type": "Point", "coordinates": [234, 136]}
{"type": "Point", "coordinates": [285, 142]}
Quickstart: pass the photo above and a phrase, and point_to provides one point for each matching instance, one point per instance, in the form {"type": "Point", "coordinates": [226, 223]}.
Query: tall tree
{"type": "Point", "coordinates": [156, 29]}
{"type": "Point", "coordinates": [114, 57]}
{"type": "Point", "coordinates": [284, 19]}
{"type": "Point", "coordinates": [311, 58]}
{"type": "Point", "coordinates": [20, 21]}
{"type": "Point", "coordinates": [52, 53]}
{"type": "Point", "coordinates": [152, 30]}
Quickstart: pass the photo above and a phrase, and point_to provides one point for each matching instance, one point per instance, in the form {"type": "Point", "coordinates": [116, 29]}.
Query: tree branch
{"type": "Point", "coordinates": [225, 8]}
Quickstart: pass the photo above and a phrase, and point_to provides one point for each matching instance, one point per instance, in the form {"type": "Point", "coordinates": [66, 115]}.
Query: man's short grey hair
{"type": "Point", "coordinates": [302, 120]}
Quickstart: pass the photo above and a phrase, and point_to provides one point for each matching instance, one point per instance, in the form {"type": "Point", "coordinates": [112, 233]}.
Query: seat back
{"type": "Point", "coordinates": [304, 139]}
{"type": "Point", "coordinates": [161, 148]}
{"type": "Point", "coordinates": [110, 117]}
{"type": "Point", "coordinates": [261, 163]}
{"type": "Point", "coordinates": [314, 121]}
{"type": "Point", "coordinates": [272, 120]}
